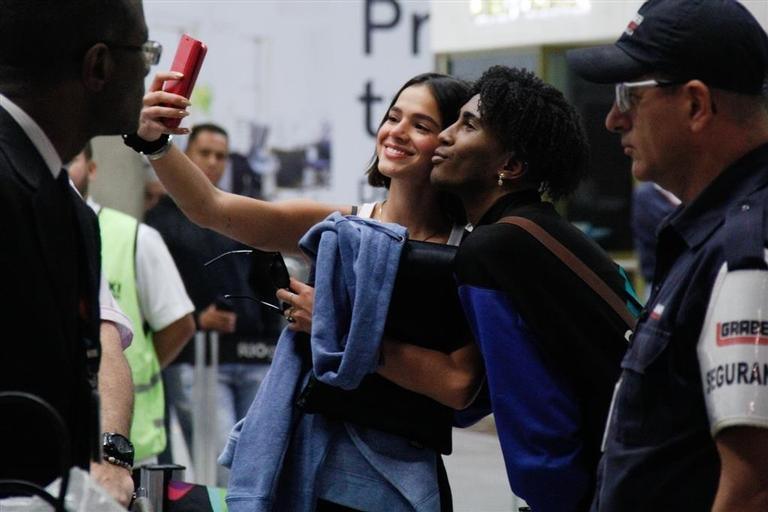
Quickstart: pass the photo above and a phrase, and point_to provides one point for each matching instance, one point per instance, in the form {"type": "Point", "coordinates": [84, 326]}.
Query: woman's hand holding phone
{"type": "Point", "coordinates": [300, 299]}
{"type": "Point", "coordinates": [166, 102]}
{"type": "Point", "coordinates": [160, 105]}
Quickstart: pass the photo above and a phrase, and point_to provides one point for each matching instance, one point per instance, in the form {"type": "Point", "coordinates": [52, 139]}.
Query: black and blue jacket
{"type": "Point", "coordinates": [551, 347]}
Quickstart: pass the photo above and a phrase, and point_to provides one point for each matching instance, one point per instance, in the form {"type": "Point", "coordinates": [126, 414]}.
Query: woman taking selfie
{"type": "Point", "coordinates": [405, 143]}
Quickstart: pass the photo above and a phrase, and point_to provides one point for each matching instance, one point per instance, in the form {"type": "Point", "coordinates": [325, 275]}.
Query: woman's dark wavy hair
{"type": "Point", "coordinates": [535, 121]}
{"type": "Point", "coordinates": [450, 94]}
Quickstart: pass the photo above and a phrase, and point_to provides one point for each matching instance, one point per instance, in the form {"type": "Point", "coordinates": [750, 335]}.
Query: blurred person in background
{"type": "Point", "coordinates": [248, 332]}
{"type": "Point", "coordinates": [153, 190]}
{"type": "Point", "coordinates": [143, 278]}
{"type": "Point", "coordinates": [650, 205]}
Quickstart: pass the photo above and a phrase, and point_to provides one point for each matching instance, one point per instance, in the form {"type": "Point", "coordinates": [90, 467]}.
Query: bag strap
{"type": "Point", "coordinates": [576, 265]}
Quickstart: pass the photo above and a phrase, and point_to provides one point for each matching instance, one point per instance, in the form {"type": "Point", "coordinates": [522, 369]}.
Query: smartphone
{"type": "Point", "coordinates": [188, 60]}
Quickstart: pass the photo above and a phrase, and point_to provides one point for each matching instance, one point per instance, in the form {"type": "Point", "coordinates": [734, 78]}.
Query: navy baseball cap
{"type": "Point", "coordinates": [716, 41]}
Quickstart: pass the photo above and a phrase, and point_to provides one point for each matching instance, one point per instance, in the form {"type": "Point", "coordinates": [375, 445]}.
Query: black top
{"type": "Point", "coordinates": [568, 318]}
{"type": "Point", "coordinates": [551, 347]}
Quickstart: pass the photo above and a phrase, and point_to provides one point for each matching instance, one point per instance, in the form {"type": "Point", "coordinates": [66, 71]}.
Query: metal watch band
{"type": "Point", "coordinates": [118, 462]}
{"type": "Point", "coordinates": [162, 151]}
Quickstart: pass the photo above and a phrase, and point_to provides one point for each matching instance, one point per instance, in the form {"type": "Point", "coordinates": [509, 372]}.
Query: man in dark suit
{"type": "Point", "coordinates": [69, 70]}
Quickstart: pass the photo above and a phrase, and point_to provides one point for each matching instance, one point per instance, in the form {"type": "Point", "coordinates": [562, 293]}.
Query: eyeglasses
{"type": "Point", "coordinates": [152, 50]}
{"type": "Point", "coordinates": [268, 274]}
{"type": "Point", "coordinates": [624, 100]}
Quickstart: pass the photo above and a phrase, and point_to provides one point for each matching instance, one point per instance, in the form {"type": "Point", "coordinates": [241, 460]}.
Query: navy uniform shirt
{"type": "Point", "coordinates": [685, 375]}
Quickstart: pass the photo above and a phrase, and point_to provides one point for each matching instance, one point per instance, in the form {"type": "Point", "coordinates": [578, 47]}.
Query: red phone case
{"type": "Point", "coordinates": [188, 60]}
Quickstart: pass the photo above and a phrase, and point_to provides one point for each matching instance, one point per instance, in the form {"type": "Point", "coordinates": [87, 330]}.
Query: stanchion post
{"type": "Point", "coordinates": [204, 398]}
{"type": "Point", "coordinates": [153, 484]}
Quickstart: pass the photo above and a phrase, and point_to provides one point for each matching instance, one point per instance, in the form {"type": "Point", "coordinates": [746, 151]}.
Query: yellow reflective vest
{"type": "Point", "coordinates": [118, 256]}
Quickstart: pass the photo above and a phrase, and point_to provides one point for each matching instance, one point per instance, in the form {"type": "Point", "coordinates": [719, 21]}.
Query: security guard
{"type": "Point", "coordinates": [689, 423]}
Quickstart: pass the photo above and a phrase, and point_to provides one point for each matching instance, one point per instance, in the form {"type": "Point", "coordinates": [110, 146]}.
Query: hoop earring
{"type": "Point", "coordinates": [504, 175]}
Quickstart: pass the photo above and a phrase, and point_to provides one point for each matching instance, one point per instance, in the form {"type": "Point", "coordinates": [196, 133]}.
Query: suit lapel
{"type": "Point", "coordinates": [51, 215]}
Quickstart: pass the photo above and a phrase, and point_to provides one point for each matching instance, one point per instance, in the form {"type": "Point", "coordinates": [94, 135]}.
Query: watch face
{"type": "Point", "coordinates": [121, 444]}
{"type": "Point", "coordinates": [118, 446]}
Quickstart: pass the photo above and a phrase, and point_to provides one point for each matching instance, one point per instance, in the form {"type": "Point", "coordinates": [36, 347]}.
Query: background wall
{"type": "Point", "coordinates": [537, 22]}
{"type": "Point", "coordinates": [302, 69]}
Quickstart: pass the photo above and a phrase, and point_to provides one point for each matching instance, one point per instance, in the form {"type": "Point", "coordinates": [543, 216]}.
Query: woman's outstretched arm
{"type": "Point", "coordinates": [261, 224]}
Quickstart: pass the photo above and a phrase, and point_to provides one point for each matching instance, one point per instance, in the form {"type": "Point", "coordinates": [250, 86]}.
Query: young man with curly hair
{"type": "Point", "coordinates": [551, 345]}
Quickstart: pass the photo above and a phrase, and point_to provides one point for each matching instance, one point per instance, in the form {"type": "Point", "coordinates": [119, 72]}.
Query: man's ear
{"type": "Point", "coordinates": [512, 172]}
{"type": "Point", "coordinates": [97, 67]}
{"type": "Point", "coordinates": [700, 105]}
{"type": "Point", "coordinates": [514, 168]}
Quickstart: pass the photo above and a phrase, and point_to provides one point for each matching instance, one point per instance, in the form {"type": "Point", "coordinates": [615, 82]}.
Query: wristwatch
{"type": "Point", "coordinates": [117, 449]}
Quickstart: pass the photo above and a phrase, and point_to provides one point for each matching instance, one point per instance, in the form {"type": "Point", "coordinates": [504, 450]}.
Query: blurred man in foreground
{"type": "Point", "coordinates": [69, 70]}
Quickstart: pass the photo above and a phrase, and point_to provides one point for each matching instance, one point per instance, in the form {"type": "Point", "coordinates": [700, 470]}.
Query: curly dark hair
{"type": "Point", "coordinates": [450, 94]}
{"type": "Point", "coordinates": [533, 119]}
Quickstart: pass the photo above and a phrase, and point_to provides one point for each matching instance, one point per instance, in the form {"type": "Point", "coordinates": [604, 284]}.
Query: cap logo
{"type": "Point", "coordinates": [636, 21]}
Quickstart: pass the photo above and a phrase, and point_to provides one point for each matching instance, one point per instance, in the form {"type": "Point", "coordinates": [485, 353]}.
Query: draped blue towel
{"type": "Point", "coordinates": [356, 263]}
